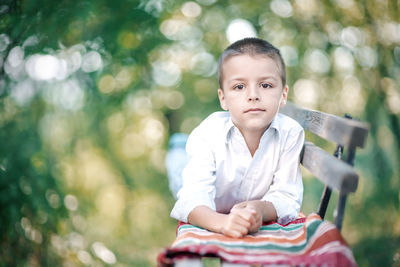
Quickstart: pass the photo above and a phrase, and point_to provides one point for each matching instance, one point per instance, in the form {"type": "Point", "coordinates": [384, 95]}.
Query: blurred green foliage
{"type": "Point", "coordinates": [90, 91]}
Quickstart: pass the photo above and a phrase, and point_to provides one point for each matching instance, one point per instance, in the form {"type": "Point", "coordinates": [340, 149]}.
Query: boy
{"type": "Point", "coordinates": [244, 162]}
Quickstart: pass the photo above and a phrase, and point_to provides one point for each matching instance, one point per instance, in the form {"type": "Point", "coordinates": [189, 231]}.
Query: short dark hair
{"type": "Point", "coordinates": [253, 46]}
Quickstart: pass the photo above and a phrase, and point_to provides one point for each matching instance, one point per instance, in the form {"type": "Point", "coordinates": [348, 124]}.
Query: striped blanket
{"type": "Point", "coordinates": [307, 241]}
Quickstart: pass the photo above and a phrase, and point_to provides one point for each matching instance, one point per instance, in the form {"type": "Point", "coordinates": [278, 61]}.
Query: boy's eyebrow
{"type": "Point", "coordinates": [268, 77]}
{"type": "Point", "coordinates": [261, 78]}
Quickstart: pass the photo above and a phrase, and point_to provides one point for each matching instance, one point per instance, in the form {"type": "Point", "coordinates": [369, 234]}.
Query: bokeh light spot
{"type": "Point", "coordinates": [307, 8]}
{"type": "Point", "coordinates": [289, 55]}
{"type": "Point", "coordinates": [393, 94]}
{"type": "Point", "coordinates": [139, 103]}
{"type": "Point", "coordinates": [128, 40]}
{"type": "Point", "coordinates": [71, 202]}
{"type": "Point", "coordinates": [123, 78]}
{"type": "Point", "coordinates": [351, 95]}
{"type": "Point", "coordinates": [306, 92]}
{"type": "Point", "coordinates": [132, 145]}
{"type": "Point", "coordinates": [344, 60]}
{"type": "Point", "coordinates": [175, 100]}
{"type": "Point", "coordinates": [4, 42]}
{"type": "Point", "coordinates": [178, 29]}
{"type": "Point", "coordinates": [282, 8]}
{"type": "Point", "coordinates": [153, 130]}
{"type": "Point", "coordinates": [31, 41]}
{"type": "Point", "coordinates": [317, 61]}
{"type": "Point", "coordinates": [44, 67]}
{"type": "Point", "coordinates": [110, 201]}
{"type": "Point", "coordinates": [79, 222]}
{"type": "Point", "coordinates": [53, 198]}
{"type": "Point", "coordinates": [104, 253]}
{"type": "Point", "coordinates": [35, 235]}
{"type": "Point", "coordinates": [84, 257]}
{"type": "Point", "coordinates": [23, 92]}
{"type": "Point", "coordinates": [367, 57]}
{"type": "Point", "coordinates": [351, 37]}
{"type": "Point", "coordinates": [166, 73]}
{"type": "Point", "coordinates": [116, 122]}
{"type": "Point", "coordinates": [25, 186]}
{"type": "Point", "coordinates": [15, 56]}
{"type": "Point", "coordinates": [70, 95]}
{"type": "Point", "coordinates": [191, 9]}
{"type": "Point", "coordinates": [204, 64]}
{"type": "Point", "coordinates": [91, 62]}
{"type": "Point", "coordinates": [214, 20]}
{"type": "Point", "coordinates": [106, 84]}
{"type": "Point", "coordinates": [239, 29]}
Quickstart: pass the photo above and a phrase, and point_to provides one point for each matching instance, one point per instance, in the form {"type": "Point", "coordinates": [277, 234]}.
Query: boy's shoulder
{"type": "Point", "coordinates": [213, 126]}
{"type": "Point", "coordinates": [215, 122]}
{"type": "Point", "coordinates": [287, 124]}
{"type": "Point", "coordinates": [218, 117]}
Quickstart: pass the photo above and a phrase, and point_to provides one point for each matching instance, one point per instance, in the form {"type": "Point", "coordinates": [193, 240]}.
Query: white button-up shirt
{"type": "Point", "coordinates": [221, 171]}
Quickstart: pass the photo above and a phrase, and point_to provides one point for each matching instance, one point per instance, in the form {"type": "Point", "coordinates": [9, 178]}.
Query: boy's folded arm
{"type": "Point", "coordinates": [198, 177]}
{"type": "Point", "coordinates": [207, 218]}
{"type": "Point", "coordinates": [264, 209]}
{"type": "Point", "coordinates": [235, 224]}
{"type": "Point", "coordinates": [286, 190]}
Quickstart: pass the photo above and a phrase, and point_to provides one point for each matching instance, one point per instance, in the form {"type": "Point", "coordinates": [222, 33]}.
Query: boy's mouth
{"type": "Point", "coordinates": [251, 110]}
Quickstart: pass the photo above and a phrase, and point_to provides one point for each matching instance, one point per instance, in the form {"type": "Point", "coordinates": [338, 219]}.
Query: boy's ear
{"type": "Point", "coordinates": [221, 97]}
{"type": "Point", "coordinates": [284, 95]}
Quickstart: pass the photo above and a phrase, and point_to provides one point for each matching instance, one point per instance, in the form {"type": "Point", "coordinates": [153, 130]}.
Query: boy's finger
{"type": "Point", "coordinates": [247, 215]}
{"type": "Point", "coordinates": [240, 220]}
{"type": "Point", "coordinates": [252, 211]}
{"type": "Point", "coordinates": [242, 230]}
{"type": "Point", "coordinates": [235, 234]}
{"type": "Point", "coordinates": [239, 206]}
{"type": "Point", "coordinates": [236, 231]}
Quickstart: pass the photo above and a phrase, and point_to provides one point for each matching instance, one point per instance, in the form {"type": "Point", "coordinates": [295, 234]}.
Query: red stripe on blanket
{"type": "Point", "coordinates": [305, 241]}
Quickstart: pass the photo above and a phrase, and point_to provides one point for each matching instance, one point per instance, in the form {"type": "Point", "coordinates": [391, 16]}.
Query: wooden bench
{"type": "Point", "coordinates": [335, 171]}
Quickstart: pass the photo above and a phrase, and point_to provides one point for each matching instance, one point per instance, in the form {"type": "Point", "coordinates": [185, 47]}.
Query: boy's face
{"type": "Point", "coordinates": [252, 91]}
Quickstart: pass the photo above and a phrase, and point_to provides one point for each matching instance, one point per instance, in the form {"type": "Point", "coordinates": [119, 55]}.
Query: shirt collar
{"type": "Point", "coordinates": [229, 127]}
{"type": "Point", "coordinates": [275, 123]}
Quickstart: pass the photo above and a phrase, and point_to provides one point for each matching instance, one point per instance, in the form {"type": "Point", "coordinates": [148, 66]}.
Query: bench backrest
{"type": "Point", "coordinates": [336, 173]}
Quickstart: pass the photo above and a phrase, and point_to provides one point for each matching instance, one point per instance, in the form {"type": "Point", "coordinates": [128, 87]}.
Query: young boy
{"type": "Point", "coordinates": [244, 163]}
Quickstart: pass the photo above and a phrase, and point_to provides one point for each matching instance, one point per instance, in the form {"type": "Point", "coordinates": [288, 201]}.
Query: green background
{"type": "Point", "coordinates": [91, 90]}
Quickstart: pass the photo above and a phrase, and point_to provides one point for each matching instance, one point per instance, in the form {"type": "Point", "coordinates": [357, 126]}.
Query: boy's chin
{"type": "Point", "coordinates": [257, 127]}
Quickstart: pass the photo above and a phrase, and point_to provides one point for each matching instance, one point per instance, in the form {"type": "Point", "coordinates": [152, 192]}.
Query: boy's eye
{"type": "Point", "coordinates": [239, 86]}
{"type": "Point", "coordinates": [266, 85]}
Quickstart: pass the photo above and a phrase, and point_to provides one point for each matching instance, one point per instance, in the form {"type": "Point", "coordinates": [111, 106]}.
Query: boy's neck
{"type": "Point", "coordinates": [252, 139]}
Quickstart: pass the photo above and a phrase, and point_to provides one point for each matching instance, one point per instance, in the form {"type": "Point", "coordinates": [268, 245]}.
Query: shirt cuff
{"type": "Point", "coordinates": [184, 206]}
{"type": "Point", "coordinates": [284, 211]}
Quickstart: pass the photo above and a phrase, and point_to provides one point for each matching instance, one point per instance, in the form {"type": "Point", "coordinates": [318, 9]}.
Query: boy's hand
{"type": "Point", "coordinates": [246, 217]}
{"type": "Point", "coordinates": [239, 222]}
{"type": "Point", "coordinates": [257, 206]}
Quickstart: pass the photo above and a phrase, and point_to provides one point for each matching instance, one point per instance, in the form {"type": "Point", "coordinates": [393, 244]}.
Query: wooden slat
{"type": "Point", "coordinates": [339, 130]}
{"type": "Point", "coordinates": [330, 170]}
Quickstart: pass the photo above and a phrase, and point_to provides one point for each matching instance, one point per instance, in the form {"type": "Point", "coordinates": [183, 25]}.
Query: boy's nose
{"type": "Point", "coordinates": [253, 98]}
{"type": "Point", "coordinates": [253, 95]}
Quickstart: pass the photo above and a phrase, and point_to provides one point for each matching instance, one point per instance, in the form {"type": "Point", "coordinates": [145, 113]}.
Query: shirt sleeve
{"type": "Point", "coordinates": [286, 190]}
{"type": "Point", "coordinates": [199, 175]}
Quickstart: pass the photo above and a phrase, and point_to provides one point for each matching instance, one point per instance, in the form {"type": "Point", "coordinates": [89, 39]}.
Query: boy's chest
{"type": "Point", "coordinates": [243, 176]}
